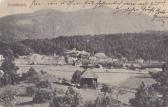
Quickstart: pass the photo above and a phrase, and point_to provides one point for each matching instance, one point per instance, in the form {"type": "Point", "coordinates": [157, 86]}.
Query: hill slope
{"type": "Point", "coordinates": [52, 23]}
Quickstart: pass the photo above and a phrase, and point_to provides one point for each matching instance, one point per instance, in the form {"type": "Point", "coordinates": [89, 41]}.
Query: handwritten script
{"type": "Point", "coordinates": [157, 9]}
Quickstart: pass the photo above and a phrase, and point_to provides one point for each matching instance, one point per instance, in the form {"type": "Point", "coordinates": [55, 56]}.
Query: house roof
{"type": "Point", "coordinates": [89, 74]}
{"type": "Point", "coordinates": [84, 53]}
{"type": "Point", "coordinates": [100, 55]}
{"type": "Point", "coordinates": [76, 53]}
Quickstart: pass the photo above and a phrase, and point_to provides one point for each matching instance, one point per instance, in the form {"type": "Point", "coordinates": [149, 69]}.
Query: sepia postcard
{"type": "Point", "coordinates": [83, 53]}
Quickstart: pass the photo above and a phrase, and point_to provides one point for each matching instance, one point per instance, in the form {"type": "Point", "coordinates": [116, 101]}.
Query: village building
{"type": "Point", "coordinates": [72, 53]}
{"type": "Point", "coordinates": [83, 54]}
{"type": "Point", "coordinates": [123, 59]}
{"type": "Point", "coordinates": [140, 61]}
{"type": "Point", "coordinates": [115, 60]}
{"type": "Point", "coordinates": [100, 55]}
{"type": "Point", "coordinates": [71, 56]}
{"type": "Point", "coordinates": [76, 57]}
{"type": "Point", "coordinates": [70, 60]}
{"type": "Point", "coordinates": [134, 65]}
{"type": "Point", "coordinates": [35, 58]}
{"type": "Point", "coordinates": [88, 79]}
{"type": "Point", "coordinates": [1, 58]}
{"type": "Point", "coordinates": [61, 60]}
{"type": "Point", "coordinates": [101, 58]}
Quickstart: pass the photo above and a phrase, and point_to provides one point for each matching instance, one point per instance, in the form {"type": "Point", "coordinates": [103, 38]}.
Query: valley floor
{"type": "Point", "coordinates": [118, 78]}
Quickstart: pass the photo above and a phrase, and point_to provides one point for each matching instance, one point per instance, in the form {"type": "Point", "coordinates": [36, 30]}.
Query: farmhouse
{"type": "Point", "coordinates": [88, 79]}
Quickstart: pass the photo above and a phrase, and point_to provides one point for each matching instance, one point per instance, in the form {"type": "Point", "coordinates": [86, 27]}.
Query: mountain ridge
{"type": "Point", "coordinates": [53, 23]}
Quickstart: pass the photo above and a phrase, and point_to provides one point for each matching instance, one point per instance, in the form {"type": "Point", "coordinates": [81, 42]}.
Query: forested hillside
{"type": "Point", "coordinates": [148, 46]}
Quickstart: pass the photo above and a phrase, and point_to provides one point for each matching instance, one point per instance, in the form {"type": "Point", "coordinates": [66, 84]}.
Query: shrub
{"type": "Point", "coordinates": [32, 76]}
{"type": "Point", "coordinates": [66, 82]}
{"type": "Point", "coordinates": [132, 67]}
{"type": "Point", "coordinates": [106, 89]}
{"type": "Point", "coordinates": [145, 97]}
{"type": "Point", "coordinates": [106, 101]}
{"type": "Point", "coordinates": [58, 91]}
{"type": "Point", "coordinates": [89, 104]}
{"type": "Point", "coordinates": [42, 95]}
{"type": "Point", "coordinates": [7, 97]}
{"type": "Point", "coordinates": [31, 72]}
{"type": "Point", "coordinates": [76, 77]}
{"type": "Point", "coordinates": [117, 65]}
{"type": "Point", "coordinates": [30, 91]}
{"type": "Point", "coordinates": [106, 64]}
{"type": "Point", "coordinates": [10, 79]}
{"type": "Point", "coordinates": [58, 102]}
{"type": "Point", "coordinates": [44, 84]}
{"type": "Point", "coordinates": [70, 99]}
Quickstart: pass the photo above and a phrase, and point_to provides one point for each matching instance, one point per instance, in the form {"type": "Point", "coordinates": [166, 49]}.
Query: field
{"type": "Point", "coordinates": [117, 78]}
{"type": "Point", "coordinates": [114, 77]}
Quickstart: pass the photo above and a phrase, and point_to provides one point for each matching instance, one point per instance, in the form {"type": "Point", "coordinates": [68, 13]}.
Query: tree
{"type": "Point", "coordinates": [42, 95]}
{"type": "Point", "coordinates": [161, 85]}
{"type": "Point", "coordinates": [21, 49]}
{"type": "Point", "coordinates": [155, 95]}
{"type": "Point", "coordinates": [76, 77]}
{"type": "Point", "coordinates": [7, 97]}
{"type": "Point", "coordinates": [66, 59]}
{"type": "Point", "coordinates": [70, 99]}
{"type": "Point", "coordinates": [9, 68]}
{"type": "Point", "coordinates": [8, 54]}
{"type": "Point", "coordinates": [31, 76]}
{"type": "Point", "coordinates": [106, 101]}
{"type": "Point", "coordinates": [145, 97]}
{"type": "Point", "coordinates": [106, 89]}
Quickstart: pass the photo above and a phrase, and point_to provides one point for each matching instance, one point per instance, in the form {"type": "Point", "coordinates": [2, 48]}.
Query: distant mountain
{"type": "Point", "coordinates": [52, 23]}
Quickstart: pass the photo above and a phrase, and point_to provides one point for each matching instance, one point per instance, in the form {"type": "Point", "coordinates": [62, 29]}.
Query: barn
{"type": "Point", "coordinates": [88, 79]}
